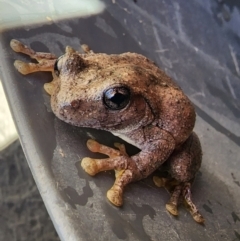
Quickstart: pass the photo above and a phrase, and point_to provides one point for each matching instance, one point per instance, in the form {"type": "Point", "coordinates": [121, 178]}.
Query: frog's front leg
{"type": "Point", "coordinates": [125, 169]}
{"type": "Point", "coordinates": [128, 169]}
{"type": "Point", "coordinates": [46, 61]}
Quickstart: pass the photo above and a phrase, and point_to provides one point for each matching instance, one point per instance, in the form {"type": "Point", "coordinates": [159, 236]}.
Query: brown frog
{"type": "Point", "coordinates": [128, 95]}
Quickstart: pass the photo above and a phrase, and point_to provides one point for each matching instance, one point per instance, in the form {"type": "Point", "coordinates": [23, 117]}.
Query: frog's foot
{"type": "Point", "coordinates": [46, 61]}
{"type": "Point", "coordinates": [118, 161]}
{"type": "Point", "coordinates": [187, 195]}
{"type": "Point", "coordinates": [27, 68]}
{"type": "Point", "coordinates": [50, 86]}
{"type": "Point", "coordinates": [18, 46]}
{"type": "Point", "coordinates": [115, 194]}
{"type": "Point", "coordinates": [94, 166]}
{"type": "Point", "coordinates": [178, 191]}
{"type": "Point", "coordinates": [172, 186]}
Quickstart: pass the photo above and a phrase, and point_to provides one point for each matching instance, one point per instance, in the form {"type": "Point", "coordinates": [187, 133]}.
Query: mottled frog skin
{"type": "Point", "coordinates": [128, 95]}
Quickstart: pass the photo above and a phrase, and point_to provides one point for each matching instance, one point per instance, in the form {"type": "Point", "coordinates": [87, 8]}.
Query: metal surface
{"type": "Point", "coordinates": [23, 213]}
{"type": "Point", "coordinates": [195, 42]}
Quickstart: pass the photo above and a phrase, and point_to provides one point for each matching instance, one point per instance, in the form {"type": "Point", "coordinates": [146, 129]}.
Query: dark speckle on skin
{"type": "Point", "coordinates": [75, 104]}
{"type": "Point", "coordinates": [207, 208]}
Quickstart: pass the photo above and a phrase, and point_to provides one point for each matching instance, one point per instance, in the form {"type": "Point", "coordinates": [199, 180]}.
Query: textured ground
{"type": "Point", "coordinates": [23, 215]}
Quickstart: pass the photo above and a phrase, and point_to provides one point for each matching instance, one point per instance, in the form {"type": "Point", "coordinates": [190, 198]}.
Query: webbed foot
{"type": "Point", "coordinates": [46, 61]}
{"type": "Point", "coordinates": [118, 161]}
{"type": "Point", "coordinates": [179, 191]}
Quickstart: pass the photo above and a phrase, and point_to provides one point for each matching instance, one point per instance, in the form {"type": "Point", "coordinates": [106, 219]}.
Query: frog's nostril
{"type": "Point", "coordinates": [75, 104]}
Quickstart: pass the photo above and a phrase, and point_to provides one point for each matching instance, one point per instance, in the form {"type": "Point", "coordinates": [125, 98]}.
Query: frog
{"type": "Point", "coordinates": [130, 96]}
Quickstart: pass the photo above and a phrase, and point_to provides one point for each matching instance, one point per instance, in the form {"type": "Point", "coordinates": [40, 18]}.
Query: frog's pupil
{"type": "Point", "coordinates": [117, 98]}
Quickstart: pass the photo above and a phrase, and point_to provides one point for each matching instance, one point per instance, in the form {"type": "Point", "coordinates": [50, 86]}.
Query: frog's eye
{"type": "Point", "coordinates": [116, 98]}
{"type": "Point", "coordinates": [57, 67]}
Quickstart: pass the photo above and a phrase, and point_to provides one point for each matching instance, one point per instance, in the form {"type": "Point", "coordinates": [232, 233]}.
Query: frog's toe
{"type": "Point", "coordinates": [16, 45]}
{"type": "Point", "coordinates": [49, 87]}
{"type": "Point", "coordinates": [115, 197]}
{"type": "Point", "coordinates": [121, 148]}
{"type": "Point", "coordinates": [86, 49]}
{"type": "Point", "coordinates": [159, 181]}
{"type": "Point", "coordinates": [198, 218]}
{"type": "Point", "coordinates": [22, 67]}
{"type": "Point", "coordinates": [190, 204]}
{"type": "Point", "coordinates": [171, 208]}
{"type": "Point", "coordinates": [89, 165]}
{"type": "Point", "coordinates": [69, 50]}
{"type": "Point", "coordinates": [94, 146]}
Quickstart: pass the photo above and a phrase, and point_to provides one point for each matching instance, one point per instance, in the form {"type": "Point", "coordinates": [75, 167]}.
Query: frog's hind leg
{"type": "Point", "coordinates": [187, 195]}
{"type": "Point", "coordinates": [182, 166]}
{"type": "Point", "coordinates": [179, 192]}
{"type": "Point", "coordinates": [46, 61]}
{"type": "Point", "coordinates": [174, 188]}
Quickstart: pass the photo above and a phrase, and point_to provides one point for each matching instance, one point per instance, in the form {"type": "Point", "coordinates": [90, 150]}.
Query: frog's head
{"type": "Point", "coordinates": [94, 91]}
{"type": "Point", "coordinates": [119, 93]}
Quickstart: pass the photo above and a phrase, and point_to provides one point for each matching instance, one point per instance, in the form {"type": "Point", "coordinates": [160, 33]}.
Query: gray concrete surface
{"type": "Point", "coordinates": [23, 215]}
